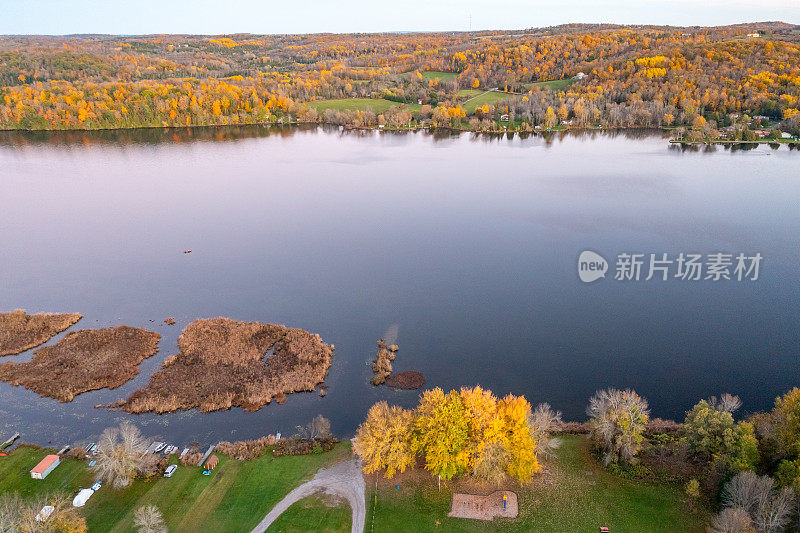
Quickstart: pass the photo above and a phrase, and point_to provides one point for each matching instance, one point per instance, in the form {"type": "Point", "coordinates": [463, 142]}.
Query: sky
{"type": "Point", "coordinates": [58, 17]}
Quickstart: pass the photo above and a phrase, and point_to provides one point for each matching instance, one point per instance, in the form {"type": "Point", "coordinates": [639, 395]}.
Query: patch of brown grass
{"type": "Point", "coordinates": [84, 360]}
{"type": "Point", "coordinates": [246, 450]}
{"type": "Point", "coordinates": [20, 331]}
{"type": "Point", "coordinates": [222, 364]}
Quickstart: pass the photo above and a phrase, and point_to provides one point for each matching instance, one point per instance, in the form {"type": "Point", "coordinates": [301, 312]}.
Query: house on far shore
{"type": "Point", "coordinates": [45, 466]}
{"type": "Point", "coordinates": [580, 76]}
{"type": "Point", "coordinates": [754, 35]}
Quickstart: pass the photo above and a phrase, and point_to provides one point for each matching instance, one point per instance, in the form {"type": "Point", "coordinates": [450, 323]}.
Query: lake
{"type": "Point", "coordinates": [464, 246]}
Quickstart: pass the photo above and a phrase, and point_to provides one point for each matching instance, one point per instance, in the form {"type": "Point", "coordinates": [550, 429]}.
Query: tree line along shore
{"type": "Point", "coordinates": [575, 76]}
{"type": "Point", "coordinates": [712, 472]}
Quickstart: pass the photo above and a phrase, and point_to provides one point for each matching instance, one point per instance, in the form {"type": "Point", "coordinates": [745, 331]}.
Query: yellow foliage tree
{"type": "Point", "coordinates": [383, 440]}
{"type": "Point", "coordinates": [513, 411]}
{"type": "Point", "coordinates": [441, 433]}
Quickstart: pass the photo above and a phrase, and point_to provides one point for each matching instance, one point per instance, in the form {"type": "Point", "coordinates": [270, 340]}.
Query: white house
{"type": "Point", "coordinates": [580, 76]}
{"type": "Point", "coordinates": [45, 466]}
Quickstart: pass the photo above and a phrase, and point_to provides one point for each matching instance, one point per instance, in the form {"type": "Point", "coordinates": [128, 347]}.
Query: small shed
{"type": "Point", "coordinates": [211, 464]}
{"type": "Point", "coordinates": [45, 466]}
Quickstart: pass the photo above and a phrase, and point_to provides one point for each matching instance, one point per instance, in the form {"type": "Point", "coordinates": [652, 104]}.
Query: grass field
{"type": "Point", "coordinates": [378, 105]}
{"type": "Point", "coordinates": [315, 514]}
{"type": "Point", "coordinates": [554, 85]}
{"type": "Point", "coordinates": [575, 494]}
{"type": "Point", "coordinates": [489, 98]}
{"type": "Point", "coordinates": [443, 76]}
{"type": "Point", "coordinates": [469, 93]}
{"type": "Point", "coordinates": [234, 498]}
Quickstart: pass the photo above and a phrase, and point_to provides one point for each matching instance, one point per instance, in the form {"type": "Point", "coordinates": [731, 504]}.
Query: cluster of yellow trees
{"type": "Point", "coordinates": [460, 432]}
{"type": "Point", "coordinates": [63, 105]}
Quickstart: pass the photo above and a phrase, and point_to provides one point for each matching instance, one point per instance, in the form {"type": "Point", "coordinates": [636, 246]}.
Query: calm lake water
{"type": "Point", "coordinates": [465, 246]}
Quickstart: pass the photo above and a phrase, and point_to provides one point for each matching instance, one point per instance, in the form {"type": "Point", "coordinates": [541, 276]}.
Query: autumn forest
{"type": "Point", "coordinates": [572, 76]}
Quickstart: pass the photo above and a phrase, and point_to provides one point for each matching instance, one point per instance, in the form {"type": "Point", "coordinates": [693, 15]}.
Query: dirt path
{"type": "Point", "coordinates": [344, 480]}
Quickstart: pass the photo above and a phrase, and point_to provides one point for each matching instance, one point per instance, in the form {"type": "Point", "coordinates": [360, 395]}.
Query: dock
{"type": "Point", "coordinates": [205, 456]}
{"type": "Point", "coordinates": [9, 442]}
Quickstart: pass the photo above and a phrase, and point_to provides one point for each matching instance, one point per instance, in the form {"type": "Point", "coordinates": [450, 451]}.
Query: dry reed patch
{"type": "Point", "coordinates": [222, 364]}
{"type": "Point", "coordinates": [84, 360]}
{"type": "Point", "coordinates": [383, 362]}
{"type": "Point", "coordinates": [20, 331]}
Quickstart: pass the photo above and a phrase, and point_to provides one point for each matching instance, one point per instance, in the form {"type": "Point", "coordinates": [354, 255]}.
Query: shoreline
{"type": "Point", "coordinates": [431, 129]}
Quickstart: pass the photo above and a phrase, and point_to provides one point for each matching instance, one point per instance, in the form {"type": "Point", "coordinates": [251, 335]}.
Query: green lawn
{"type": "Point", "coordinates": [15, 474]}
{"type": "Point", "coordinates": [575, 494]}
{"type": "Point", "coordinates": [378, 105]}
{"type": "Point", "coordinates": [314, 514]}
{"type": "Point", "coordinates": [469, 93]}
{"type": "Point", "coordinates": [234, 498]}
{"type": "Point", "coordinates": [443, 76]}
{"type": "Point", "coordinates": [553, 85]}
{"type": "Point", "coordinates": [489, 98]}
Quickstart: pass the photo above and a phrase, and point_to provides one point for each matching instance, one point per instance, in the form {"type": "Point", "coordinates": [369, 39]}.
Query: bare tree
{"type": "Point", "coordinates": [747, 490]}
{"type": "Point", "coordinates": [10, 505]}
{"type": "Point", "coordinates": [118, 453]}
{"type": "Point", "coordinates": [733, 520]}
{"type": "Point", "coordinates": [18, 515]}
{"type": "Point", "coordinates": [618, 420]}
{"type": "Point", "coordinates": [148, 519]}
{"type": "Point", "coordinates": [726, 402]}
{"type": "Point", "coordinates": [769, 509]}
{"type": "Point", "coordinates": [542, 421]}
{"type": "Point", "coordinates": [774, 514]}
{"type": "Point", "coordinates": [319, 428]}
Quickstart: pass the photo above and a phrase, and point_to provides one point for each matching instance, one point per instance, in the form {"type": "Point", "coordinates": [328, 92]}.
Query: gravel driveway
{"type": "Point", "coordinates": [343, 479]}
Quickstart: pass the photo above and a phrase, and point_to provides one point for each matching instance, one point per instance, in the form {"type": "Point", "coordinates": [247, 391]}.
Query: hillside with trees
{"type": "Point", "coordinates": [603, 76]}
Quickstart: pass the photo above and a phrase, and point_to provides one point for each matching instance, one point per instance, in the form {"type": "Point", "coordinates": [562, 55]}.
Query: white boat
{"type": "Point", "coordinates": [159, 446]}
{"type": "Point", "coordinates": [82, 497]}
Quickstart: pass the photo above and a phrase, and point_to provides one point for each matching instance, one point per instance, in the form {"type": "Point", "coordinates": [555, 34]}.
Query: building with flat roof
{"type": "Point", "coordinates": [45, 466]}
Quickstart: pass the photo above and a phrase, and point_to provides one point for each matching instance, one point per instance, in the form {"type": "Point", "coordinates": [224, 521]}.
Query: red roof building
{"type": "Point", "coordinates": [45, 466]}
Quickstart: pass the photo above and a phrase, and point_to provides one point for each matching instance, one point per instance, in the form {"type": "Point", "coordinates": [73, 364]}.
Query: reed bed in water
{"type": "Point", "coordinates": [224, 363]}
{"type": "Point", "coordinates": [20, 331]}
{"type": "Point", "coordinates": [84, 360]}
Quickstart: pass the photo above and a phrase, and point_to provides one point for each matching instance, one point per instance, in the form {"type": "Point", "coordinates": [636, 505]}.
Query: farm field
{"type": "Point", "coordinates": [487, 98]}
